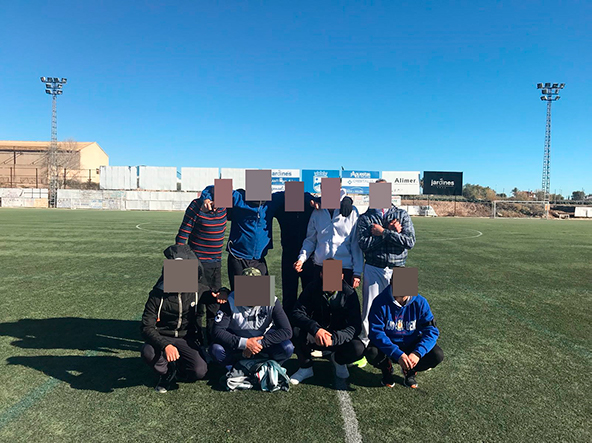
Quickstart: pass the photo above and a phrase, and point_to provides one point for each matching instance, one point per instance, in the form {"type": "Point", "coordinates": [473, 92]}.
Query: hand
{"type": "Point", "coordinates": [207, 205]}
{"type": "Point", "coordinates": [395, 226]}
{"type": "Point", "coordinates": [298, 265]}
{"type": "Point", "coordinates": [356, 282]}
{"type": "Point", "coordinates": [376, 229]}
{"type": "Point", "coordinates": [253, 345]}
{"type": "Point", "coordinates": [221, 296]}
{"type": "Point", "coordinates": [247, 353]}
{"type": "Point", "coordinates": [171, 353]}
{"type": "Point", "coordinates": [315, 204]}
{"type": "Point", "coordinates": [405, 363]}
{"type": "Point", "coordinates": [323, 338]}
{"type": "Point", "coordinates": [413, 358]}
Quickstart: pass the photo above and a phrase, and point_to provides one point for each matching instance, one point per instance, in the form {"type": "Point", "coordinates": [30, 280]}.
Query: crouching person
{"type": "Point", "coordinates": [402, 330]}
{"type": "Point", "coordinates": [330, 322]}
{"type": "Point", "coordinates": [171, 331]}
{"type": "Point", "coordinates": [261, 332]}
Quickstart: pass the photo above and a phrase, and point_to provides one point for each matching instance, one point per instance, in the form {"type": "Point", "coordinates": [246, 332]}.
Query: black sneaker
{"type": "Point", "coordinates": [167, 381]}
{"type": "Point", "coordinates": [388, 379]}
{"type": "Point", "coordinates": [410, 380]}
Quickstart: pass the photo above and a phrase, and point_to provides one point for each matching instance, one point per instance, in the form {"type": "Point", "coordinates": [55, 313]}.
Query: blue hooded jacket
{"type": "Point", "coordinates": [411, 326]}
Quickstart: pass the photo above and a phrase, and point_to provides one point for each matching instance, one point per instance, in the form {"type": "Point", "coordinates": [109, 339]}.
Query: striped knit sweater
{"type": "Point", "coordinates": [203, 232]}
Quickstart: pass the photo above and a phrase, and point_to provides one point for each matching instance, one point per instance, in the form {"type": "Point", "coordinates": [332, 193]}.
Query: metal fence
{"type": "Point", "coordinates": [28, 177]}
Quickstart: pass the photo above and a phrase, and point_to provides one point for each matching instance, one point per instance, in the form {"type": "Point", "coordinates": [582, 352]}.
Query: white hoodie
{"type": "Point", "coordinates": [333, 238]}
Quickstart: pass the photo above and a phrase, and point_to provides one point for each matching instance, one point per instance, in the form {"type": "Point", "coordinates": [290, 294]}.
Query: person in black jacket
{"type": "Point", "coordinates": [171, 331]}
{"type": "Point", "coordinates": [327, 321]}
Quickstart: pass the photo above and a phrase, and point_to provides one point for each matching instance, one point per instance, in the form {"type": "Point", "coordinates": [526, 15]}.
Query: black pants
{"type": "Point", "coordinates": [290, 280]}
{"type": "Point", "coordinates": [304, 344]}
{"type": "Point", "coordinates": [237, 265]}
{"type": "Point", "coordinates": [191, 363]}
{"type": "Point", "coordinates": [348, 274]}
{"type": "Point", "coordinates": [208, 305]}
{"type": "Point", "coordinates": [379, 360]}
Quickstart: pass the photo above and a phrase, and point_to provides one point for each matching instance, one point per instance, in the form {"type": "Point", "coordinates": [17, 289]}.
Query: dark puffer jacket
{"type": "Point", "coordinates": [171, 314]}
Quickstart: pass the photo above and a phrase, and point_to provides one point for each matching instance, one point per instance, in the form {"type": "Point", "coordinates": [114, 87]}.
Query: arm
{"type": "Point", "coordinates": [355, 250]}
{"type": "Point", "coordinates": [377, 335]}
{"type": "Point", "coordinates": [354, 322]}
{"type": "Point", "coordinates": [429, 331]}
{"type": "Point", "coordinates": [281, 330]}
{"type": "Point", "coordinates": [310, 242]}
{"type": "Point", "coordinates": [188, 222]}
{"type": "Point", "coordinates": [301, 316]}
{"type": "Point", "coordinates": [148, 327]}
{"type": "Point", "coordinates": [237, 198]}
{"type": "Point", "coordinates": [407, 236]}
{"type": "Point", "coordinates": [220, 332]}
{"type": "Point", "coordinates": [366, 240]}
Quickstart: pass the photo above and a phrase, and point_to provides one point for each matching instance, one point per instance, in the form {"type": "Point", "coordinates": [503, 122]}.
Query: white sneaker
{"type": "Point", "coordinates": [340, 370]}
{"type": "Point", "coordinates": [301, 374]}
{"type": "Point", "coordinates": [316, 353]}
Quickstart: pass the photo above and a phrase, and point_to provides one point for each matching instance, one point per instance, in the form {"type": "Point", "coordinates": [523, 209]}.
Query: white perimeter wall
{"type": "Point", "coordinates": [196, 179]}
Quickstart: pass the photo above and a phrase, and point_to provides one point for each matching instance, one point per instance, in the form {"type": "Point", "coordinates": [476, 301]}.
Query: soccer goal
{"type": "Point", "coordinates": [519, 209]}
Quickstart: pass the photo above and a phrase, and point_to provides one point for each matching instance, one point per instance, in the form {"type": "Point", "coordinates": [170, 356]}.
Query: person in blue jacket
{"type": "Point", "coordinates": [251, 235]}
{"type": "Point", "coordinates": [402, 330]}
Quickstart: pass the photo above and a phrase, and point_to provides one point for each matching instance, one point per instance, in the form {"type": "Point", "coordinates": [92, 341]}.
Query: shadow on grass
{"type": "Point", "coordinates": [90, 371]}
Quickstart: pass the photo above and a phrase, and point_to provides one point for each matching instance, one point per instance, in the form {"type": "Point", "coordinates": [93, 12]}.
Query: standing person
{"type": "Point", "coordinates": [327, 321]}
{"type": "Point", "coordinates": [249, 331]}
{"type": "Point", "coordinates": [169, 327]}
{"type": "Point", "coordinates": [331, 234]}
{"type": "Point", "coordinates": [251, 232]}
{"type": "Point", "coordinates": [203, 231]}
{"type": "Point", "coordinates": [384, 235]}
{"type": "Point", "coordinates": [403, 331]}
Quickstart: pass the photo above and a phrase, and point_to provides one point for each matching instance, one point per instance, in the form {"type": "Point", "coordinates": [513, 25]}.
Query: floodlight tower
{"type": "Point", "coordinates": [53, 86]}
{"type": "Point", "coordinates": [550, 93]}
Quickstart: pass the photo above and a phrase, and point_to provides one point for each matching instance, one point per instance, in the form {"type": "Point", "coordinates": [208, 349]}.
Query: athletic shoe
{"type": "Point", "coordinates": [301, 374]}
{"type": "Point", "coordinates": [410, 380]}
{"type": "Point", "coordinates": [361, 363]}
{"type": "Point", "coordinates": [388, 378]}
{"type": "Point", "coordinates": [340, 370]}
{"type": "Point", "coordinates": [167, 381]}
{"type": "Point", "coordinates": [316, 353]}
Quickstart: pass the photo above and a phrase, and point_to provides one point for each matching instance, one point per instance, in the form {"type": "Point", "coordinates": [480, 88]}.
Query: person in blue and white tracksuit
{"type": "Point", "coordinates": [403, 331]}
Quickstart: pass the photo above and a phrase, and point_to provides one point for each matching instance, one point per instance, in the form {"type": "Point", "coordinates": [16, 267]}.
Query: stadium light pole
{"type": "Point", "coordinates": [53, 86]}
{"type": "Point", "coordinates": [550, 93]}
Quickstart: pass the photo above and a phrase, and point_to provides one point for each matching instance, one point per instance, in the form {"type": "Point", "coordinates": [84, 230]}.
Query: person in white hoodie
{"type": "Point", "coordinates": [332, 234]}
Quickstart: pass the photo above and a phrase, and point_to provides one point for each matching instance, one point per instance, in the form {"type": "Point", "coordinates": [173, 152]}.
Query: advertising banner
{"type": "Point", "coordinates": [280, 176]}
{"type": "Point", "coordinates": [442, 183]}
{"type": "Point", "coordinates": [358, 182]}
{"type": "Point", "coordinates": [312, 178]}
{"type": "Point", "coordinates": [403, 182]}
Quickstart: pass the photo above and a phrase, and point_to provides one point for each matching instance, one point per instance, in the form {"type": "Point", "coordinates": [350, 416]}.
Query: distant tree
{"type": "Point", "coordinates": [502, 195]}
{"type": "Point", "coordinates": [556, 197]}
{"type": "Point", "coordinates": [515, 191]}
{"type": "Point", "coordinates": [477, 192]}
{"type": "Point", "coordinates": [578, 195]}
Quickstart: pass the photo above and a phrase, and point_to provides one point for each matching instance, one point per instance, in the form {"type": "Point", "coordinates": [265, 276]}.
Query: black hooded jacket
{"type": "Point", "coordinates": [340, 314]}
{"type": "Point", "coordinates": [171, 314]}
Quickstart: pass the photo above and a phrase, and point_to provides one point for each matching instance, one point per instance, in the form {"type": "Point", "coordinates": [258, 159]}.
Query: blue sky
{"type": "Point", "coordinates": [309, 84]}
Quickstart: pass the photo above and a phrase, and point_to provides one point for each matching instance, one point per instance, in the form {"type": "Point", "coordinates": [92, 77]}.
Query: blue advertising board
{"type": "Point", "coordinates": [312, 178]}
{"type": "Point", "coordinates": [358, 182]}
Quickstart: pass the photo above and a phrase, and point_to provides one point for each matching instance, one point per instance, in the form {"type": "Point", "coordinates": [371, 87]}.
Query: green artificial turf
{"type": "Point", "coordinates": [513, 306]}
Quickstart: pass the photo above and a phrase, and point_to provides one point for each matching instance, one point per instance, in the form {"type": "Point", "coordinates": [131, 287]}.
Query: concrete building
{"type": "Point", "coordinates": [23, 164]}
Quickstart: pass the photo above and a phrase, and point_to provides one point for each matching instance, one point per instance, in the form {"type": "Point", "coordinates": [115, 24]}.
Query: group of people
{"type": "Point", "coordinates": [384, 331]}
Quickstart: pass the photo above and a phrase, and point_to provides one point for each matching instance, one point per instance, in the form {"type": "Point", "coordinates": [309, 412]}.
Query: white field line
{"type": "Point", "coordinates": [350, 421]}
{"type": "Point", "coordinates": [150, 230]}
{"type": "Point", "coordinates": [479, 234]}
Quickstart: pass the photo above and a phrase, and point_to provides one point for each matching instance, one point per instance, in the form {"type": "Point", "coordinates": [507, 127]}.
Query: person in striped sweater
{"type": "Point", "coordinates": [203, 232]}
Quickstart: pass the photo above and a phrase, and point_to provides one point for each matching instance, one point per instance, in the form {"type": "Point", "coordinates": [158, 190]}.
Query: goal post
{"type": "Point", "coordinates": [519, 209]}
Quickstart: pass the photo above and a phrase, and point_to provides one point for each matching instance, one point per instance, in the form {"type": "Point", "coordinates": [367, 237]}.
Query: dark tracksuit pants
{"type": "Point", "coordinates": [279, 352]}
{"type": "Point", "coordinates": [379, 360]}
{"type": "Point", "coordinates": [346, 353]}
{"type": "Point", "coordinates": [348, 274]}
{"type": "Point", "coordinates": [237, 265]}
{"type": "Point", "coordinates": [208, 305]}
{"type": "Point", "coordinates": [290, 279]}
{"type": "Point", "coordinates": [190, 364]}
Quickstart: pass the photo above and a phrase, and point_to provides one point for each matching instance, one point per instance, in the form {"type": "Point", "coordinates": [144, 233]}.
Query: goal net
{"type": "Point", "coordinates": [519, 209]}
